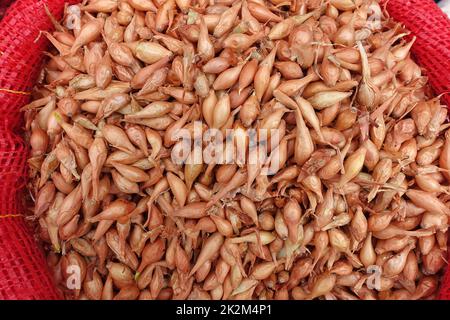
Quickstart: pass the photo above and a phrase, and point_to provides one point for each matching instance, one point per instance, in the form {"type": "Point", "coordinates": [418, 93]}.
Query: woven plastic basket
{"type": "Point", "coordinates": [23, 270]}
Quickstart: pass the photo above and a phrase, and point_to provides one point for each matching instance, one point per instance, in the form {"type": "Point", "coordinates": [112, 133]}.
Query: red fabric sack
{"type": "Point", "coordinates": [23, 270]}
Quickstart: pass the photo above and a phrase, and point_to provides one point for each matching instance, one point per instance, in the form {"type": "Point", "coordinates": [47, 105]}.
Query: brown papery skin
{"type": "Point", "coordinates": [130, 183]}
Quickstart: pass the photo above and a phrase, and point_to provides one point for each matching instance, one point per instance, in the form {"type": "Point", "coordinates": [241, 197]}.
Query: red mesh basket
{"type": "Point", "coordinates": [23, 269]}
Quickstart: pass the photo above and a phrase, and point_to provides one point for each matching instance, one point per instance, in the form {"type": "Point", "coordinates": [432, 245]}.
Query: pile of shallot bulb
{"type": "Point", "coordinates": [357, 206]}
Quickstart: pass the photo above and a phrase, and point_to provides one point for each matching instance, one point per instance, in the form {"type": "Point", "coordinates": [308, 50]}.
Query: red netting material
{"type": "Point", "coordinates": [4, 4]}
{"type": "Point", "coordinates": [23, 270]}
{"type": "Point", "coordinates": [431, 50]}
